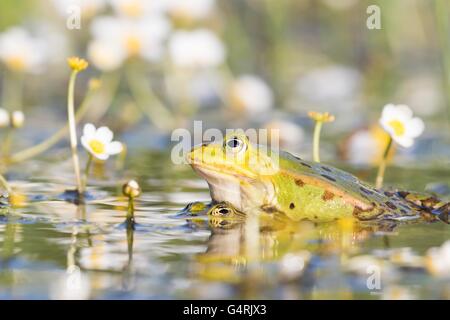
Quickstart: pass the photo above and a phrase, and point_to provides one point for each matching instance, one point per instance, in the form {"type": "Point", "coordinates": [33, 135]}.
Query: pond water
{"type": "Point", "coordinates": [51, 248]}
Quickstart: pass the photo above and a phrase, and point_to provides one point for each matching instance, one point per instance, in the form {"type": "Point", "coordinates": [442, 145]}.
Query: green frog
{"type": "Point", "coordinates": [253, 177]}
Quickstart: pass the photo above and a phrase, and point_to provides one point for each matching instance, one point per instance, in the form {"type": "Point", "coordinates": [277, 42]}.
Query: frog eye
{"type": "Point", "coordinates": [235, 144]}
{"type": "Point", "coordinates": [221, 211]}
{"type": "Point", "coordinates": [224, 211]}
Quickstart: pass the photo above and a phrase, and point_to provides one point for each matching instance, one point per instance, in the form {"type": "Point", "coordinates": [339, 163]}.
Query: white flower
{"type": "Point", "coordinates": [116, 39]}
{"type": "Point", "coordinates": [88, 8]}
{"type": "Point", "coordinates": [138, 8]}
{"type": "Point", "coordinates": [4, 118]}
{"type": "Point", "coordinates": [290, 135]}
{"type": "Point", "coordinates": [190, 9]}
{"type": "Point", "coordinates": [99, 142]}
{"type": "Point", "coordinates": [198, 48]}
{"type": "Point", "coordinates": [17, 119]}
{"type": "Point", "coordinates": [22, 52]}
{"type": "Point", "coordinates": [252, 94]}
{"type": "Point", "coordinates": [398, 121]}
{"type": "Point", "coordinates": [438, 260]}
{"type": "Point", "coordinates": [106, 55]}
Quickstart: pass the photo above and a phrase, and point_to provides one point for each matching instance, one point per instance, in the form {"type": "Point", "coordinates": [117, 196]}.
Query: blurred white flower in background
{"type": "Point", "coordinates": [4, 118]}
{"type": "Point", "coordinates": [21, 52]}
{"type": "Point", "coordinates": [200, 48]}
{"type": "Point", "coordinates": [17, 119]}
{"type": "Point", "coordinates": [115, 39]}
{"type": "Point", "coordinates": [251, 94]}
{"type": "Point", "coordinates": [365, 146]}
{"type": "Point", "coordinates": [398, 121]}
{"type": "Point", "coordinates": [290, 135]}
{"type": "Point", "coordinates": [190, 9]}
{"type": "Point", "coordinates": [106, 55]}
{"type": "Point", "coordinates": [99, 142]}
{"type": "Point", "coordinates": [88, 8]}
{"type": "Point", "coordinates": [437, 260]}
{"type": "Point", "coordinates": [423, 94]}
{"type": "Point", "coordinates": [139, 8]}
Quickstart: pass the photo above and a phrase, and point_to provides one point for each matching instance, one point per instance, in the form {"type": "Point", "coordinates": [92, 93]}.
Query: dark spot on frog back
{"type": "Point", "coordinates": [305, 164]}
{"type": "Point", "coordinates": [328, 177]}
{"type": "Point", "coordinates": [326, 169]}
{"type": "Point", "coordinates": [327, 195]}
{"type": "Point", "coordinates": [299, 182]}
{"type": "Point", "coordinates": [365, 190]}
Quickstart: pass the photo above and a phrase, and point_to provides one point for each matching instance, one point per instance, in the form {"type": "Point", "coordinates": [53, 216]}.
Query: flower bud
{"type": "Point", "coordinates": [131, 189]}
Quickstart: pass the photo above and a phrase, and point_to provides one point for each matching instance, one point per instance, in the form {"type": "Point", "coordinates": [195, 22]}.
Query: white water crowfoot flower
{"type": "Point", "coordinates": [116, 39]}
{"type": "Point", "coordinates": [398, 121]}
{"type": "Point", "coordinates": [199, 48]}
{"type": "Point", "coordinates": [98, 142]}
{"type": "Point", "coordinates": [21, 52]}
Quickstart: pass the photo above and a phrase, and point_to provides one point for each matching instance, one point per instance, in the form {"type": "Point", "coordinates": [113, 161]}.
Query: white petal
{"type": "Point", "coordinates": [388, 111]}
{"type": "Point", "coordinates": [88, 130]}
{"type": "Point", "coordinates": [104, 135]}
{"type": "Point", "coordinates": [114, 147]}
{"type": "Point", "coordinates": [404, 111]}
{"type": "Point", "coordinates": [404, 141]}
{"type": "Point", "coordinates": [101, 156]}
{"type": "Point", "coordinates": [85, 143]}
{"type": "Point", "coordinates": [415, 127]}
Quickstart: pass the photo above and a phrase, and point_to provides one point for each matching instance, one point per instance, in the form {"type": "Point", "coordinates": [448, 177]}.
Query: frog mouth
{"type": "Point", "coordinates": [209, 170]}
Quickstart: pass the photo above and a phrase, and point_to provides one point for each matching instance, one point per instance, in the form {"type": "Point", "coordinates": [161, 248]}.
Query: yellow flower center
{"type": "Point", "coordinates": [97, 146]}
{"type": "Point", "coordinates": [16, 63]}
{"type": "Point", "coordinates": [398, 126]}
{"type": "Point", "coordinates": [133, 45]}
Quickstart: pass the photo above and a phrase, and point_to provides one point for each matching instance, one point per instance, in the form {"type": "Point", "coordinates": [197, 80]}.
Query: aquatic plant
{"type": "Point", "coordinates": [99, 144]}
{"type": "Point", "coordinates": [77, 65]}
{"type": "Point", "coordinates": [398, 122]}
{"type": "Point", "coordinates": [320, 119]}
{"type": "Point", "coordinates": [131, 190]}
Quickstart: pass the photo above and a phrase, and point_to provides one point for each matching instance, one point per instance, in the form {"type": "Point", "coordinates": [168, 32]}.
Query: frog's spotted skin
{"type": "Point", "coordinates": [332, 188]}
{"type": "Point", "coordinates": [243, 175]}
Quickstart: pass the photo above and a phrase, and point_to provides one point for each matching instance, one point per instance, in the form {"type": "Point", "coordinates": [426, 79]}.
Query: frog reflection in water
{"type": "Point", "coordinates": [245, 176]}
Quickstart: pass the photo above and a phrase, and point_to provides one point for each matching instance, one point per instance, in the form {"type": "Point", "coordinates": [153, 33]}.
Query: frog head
{"type": "Point", "coordinates": [236, 170]}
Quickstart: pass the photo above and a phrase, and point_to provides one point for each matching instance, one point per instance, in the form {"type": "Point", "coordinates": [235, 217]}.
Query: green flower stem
{"type": "Point", "coordinates": [382, 167]}
{"type": "Point", "coordinates": [73, 130]}
{"type": "Point", "coordinates": [316, 140]}
{"type": "Point", "coordinates": [130, 212]}
{"type": "Point", "coordinates": [7, 142]}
